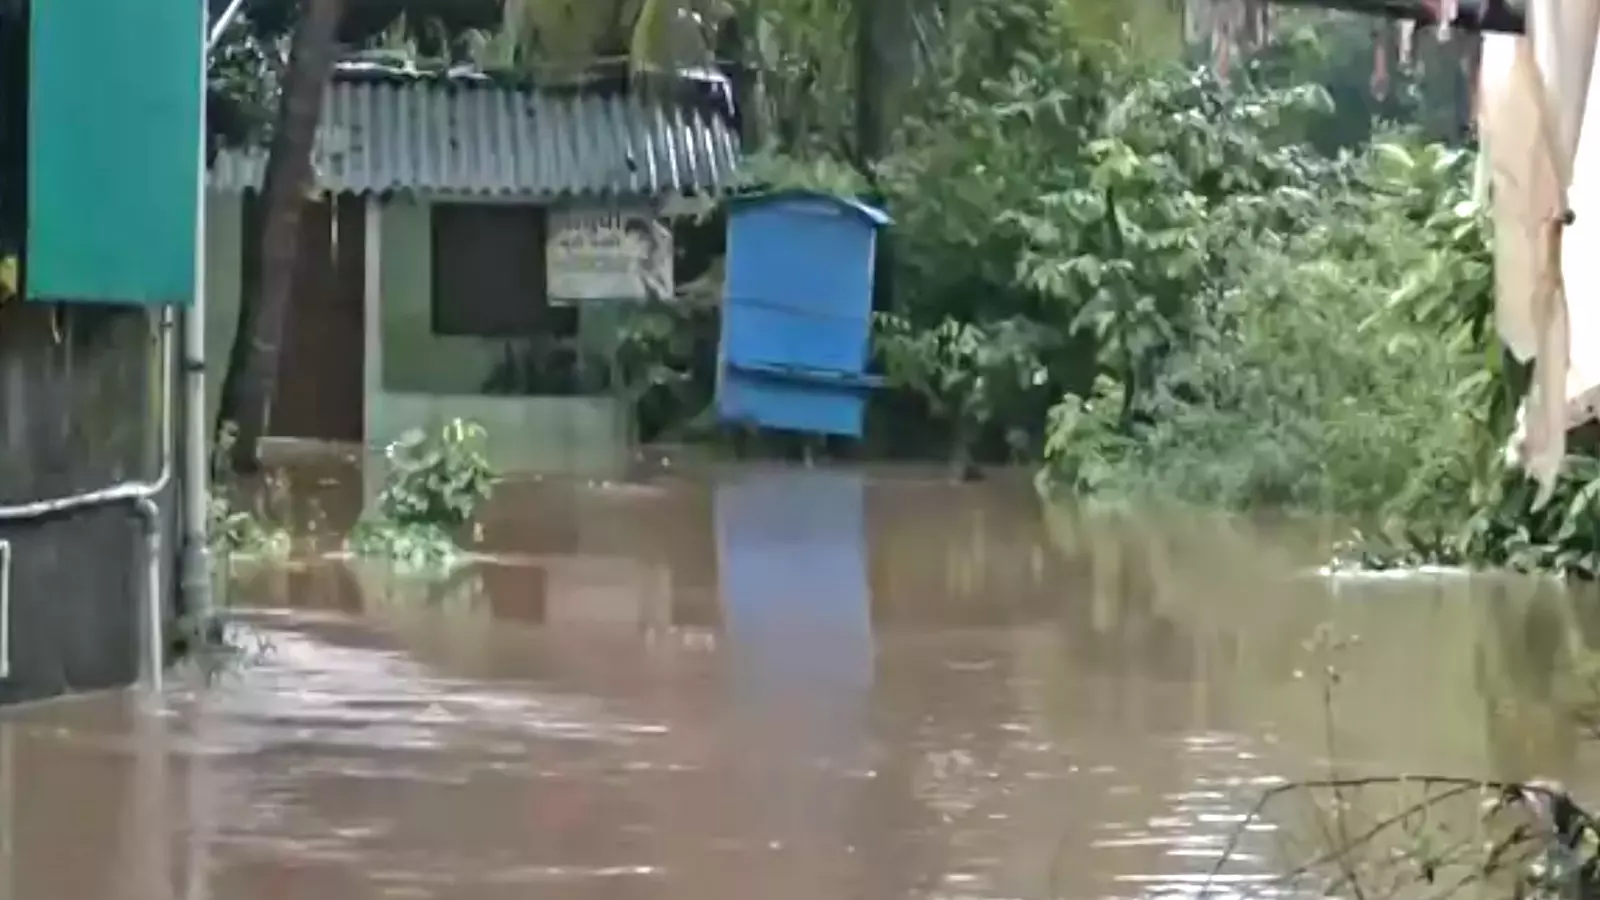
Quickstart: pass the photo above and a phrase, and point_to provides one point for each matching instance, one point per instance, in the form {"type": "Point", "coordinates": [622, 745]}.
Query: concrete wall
{"type": "Point", "coordinates": [415, 360]}
{"type": "Point", "coordinates": [416, 378]}
{"type": "Point", "coordinates": [76, 415]}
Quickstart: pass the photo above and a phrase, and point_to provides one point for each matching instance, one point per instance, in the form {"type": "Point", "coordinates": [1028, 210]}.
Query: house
{"type": "Point", "coordinates": [471, 247]}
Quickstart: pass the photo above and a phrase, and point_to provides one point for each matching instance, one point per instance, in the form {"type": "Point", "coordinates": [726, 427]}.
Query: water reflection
{"type": "Point", "coordinates": [783, 683]}
{"type": "Point", "coordinates": [791, 561]}
{"type": "Point", "coordinates": [8, 814]}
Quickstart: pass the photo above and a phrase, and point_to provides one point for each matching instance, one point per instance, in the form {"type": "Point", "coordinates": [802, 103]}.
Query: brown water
{"type": "Point", "coordinates": [779, 685]}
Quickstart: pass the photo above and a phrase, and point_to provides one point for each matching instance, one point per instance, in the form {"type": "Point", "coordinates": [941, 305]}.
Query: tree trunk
{"type": "Point", "coordinates": [884, 37]}
{"type": "Point", "coordinates": [883, 41]}
{"type": "Point", "coordinates": [252, 373]}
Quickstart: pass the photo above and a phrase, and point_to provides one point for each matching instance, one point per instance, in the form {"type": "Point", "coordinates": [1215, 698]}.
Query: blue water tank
{"type": "Point", "coordinates": [797, 312]}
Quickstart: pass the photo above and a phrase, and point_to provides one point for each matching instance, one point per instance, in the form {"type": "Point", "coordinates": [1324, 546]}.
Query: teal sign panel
{"type": "Point", "coordinates": [114, 138]}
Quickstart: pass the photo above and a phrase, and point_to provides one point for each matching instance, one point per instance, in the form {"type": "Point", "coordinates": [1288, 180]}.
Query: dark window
{"type": "Point", "coordinates": [488, 270]}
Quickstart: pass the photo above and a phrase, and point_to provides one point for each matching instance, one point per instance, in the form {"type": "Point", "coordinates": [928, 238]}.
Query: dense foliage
{"type": "Point", "coordinates": [1270, 291]}
{"type": "Point", "coordinates": [243, 74]}
{"type": "Point", "coordinates": [1070, 223]}
{"type": "Point", "coordinates": [1302, 376]}
{"type": "Point", "coordinates": [1263, 290]}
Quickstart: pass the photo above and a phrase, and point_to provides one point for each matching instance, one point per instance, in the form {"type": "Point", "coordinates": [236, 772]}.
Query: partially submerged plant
{"type": "Point", "coordinates": [433, 487]}
{"type": "Point", "coordinates": [237, 531]}
{"type": "Point", "coordinates": [217, 647]}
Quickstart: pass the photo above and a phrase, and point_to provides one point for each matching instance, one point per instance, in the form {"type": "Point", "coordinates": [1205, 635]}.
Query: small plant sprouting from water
{"type": "Point", "coordinates": [216, 647]}
{"type": "Point", "coordinates": [432, 488]}
{"type": "Point", "coordinates": [235, 531]}
{"type": "Point", "coordinates": [1323, 649]}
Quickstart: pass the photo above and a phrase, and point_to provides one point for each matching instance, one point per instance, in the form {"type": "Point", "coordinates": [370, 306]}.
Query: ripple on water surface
{"type": "Point", "coordinates": [1006, 711]}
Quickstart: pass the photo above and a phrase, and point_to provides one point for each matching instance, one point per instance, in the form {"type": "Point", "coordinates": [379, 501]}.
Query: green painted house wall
{"type": "Point", "coordinates": [427, 379]}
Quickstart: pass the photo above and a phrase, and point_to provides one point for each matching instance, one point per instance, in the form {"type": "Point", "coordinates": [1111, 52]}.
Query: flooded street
{"type": "Point", "coordinates": [779, 684]}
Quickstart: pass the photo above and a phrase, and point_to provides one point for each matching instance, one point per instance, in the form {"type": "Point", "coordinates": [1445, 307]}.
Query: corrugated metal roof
{"type": "Point", "coordinates": [461, 134]}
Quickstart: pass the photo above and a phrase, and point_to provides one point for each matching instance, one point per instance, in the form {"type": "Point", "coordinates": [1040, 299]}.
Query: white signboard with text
{"type": "Point", "coordinates": [608, 257]}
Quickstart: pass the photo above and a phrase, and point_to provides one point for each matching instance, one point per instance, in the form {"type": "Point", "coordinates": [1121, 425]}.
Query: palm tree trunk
{"type": "Point", "coordinates": [252, 373]}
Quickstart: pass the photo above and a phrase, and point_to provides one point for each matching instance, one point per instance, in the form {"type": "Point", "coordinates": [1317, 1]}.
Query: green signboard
{"type": "Point", "coordinates": [114, 150]}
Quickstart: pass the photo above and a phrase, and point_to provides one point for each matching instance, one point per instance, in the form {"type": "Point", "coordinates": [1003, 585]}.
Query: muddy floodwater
{"type": "Point", "coordinates": [776, 683]}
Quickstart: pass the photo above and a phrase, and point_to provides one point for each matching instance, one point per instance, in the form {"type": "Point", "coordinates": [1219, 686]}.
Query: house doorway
{"type": "Point", "coordinates": [321, 378]}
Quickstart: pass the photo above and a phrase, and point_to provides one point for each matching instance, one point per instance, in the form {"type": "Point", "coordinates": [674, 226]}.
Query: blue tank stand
{"type": "Point", "coordinates": [797, 313]}
{"type": "Point", "coordinates": [815, 401]}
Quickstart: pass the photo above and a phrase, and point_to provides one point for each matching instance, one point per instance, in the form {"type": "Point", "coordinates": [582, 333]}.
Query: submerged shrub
{"type": "Point", "coordinates": [433, 485]}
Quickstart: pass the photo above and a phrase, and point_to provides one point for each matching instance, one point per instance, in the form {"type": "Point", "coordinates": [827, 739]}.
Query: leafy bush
{"type": "Point", "coordinates": [436, 480]}
{"type": "Point", "coordinates": [1233, 311]}
{"type": "Point", "coordinates": [968, 373]}
{"type": "Point", "coordinates": [665, 361]}
{"type": "Point", "coordinates": [1081, 214]}
{"type": "Point", "coordinates": [433, 487]}
{"type": "Point", "coordinates": [1219, 311]}
{"type": "Point", "coordinates": [1347, 365]}
{"type": "Point", "coordinates": [1309, 375]}
{"type": "Point", "coordinates": [996, 123]}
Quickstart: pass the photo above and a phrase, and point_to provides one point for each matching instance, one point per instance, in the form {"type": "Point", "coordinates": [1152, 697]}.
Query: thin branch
{"type": "Point", "coordinates": [1454, 787]}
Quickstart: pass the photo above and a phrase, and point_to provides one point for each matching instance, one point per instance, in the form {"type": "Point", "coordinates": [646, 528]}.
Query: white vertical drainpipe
{"type": "Point", "coordinates": [5, 616]}
{"type": "Point", "coordinates": [195, 562]}
{"type": "Point", "coordinates": [372, 338]}
{"type": "Point", "coordinates": [8, 816]}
